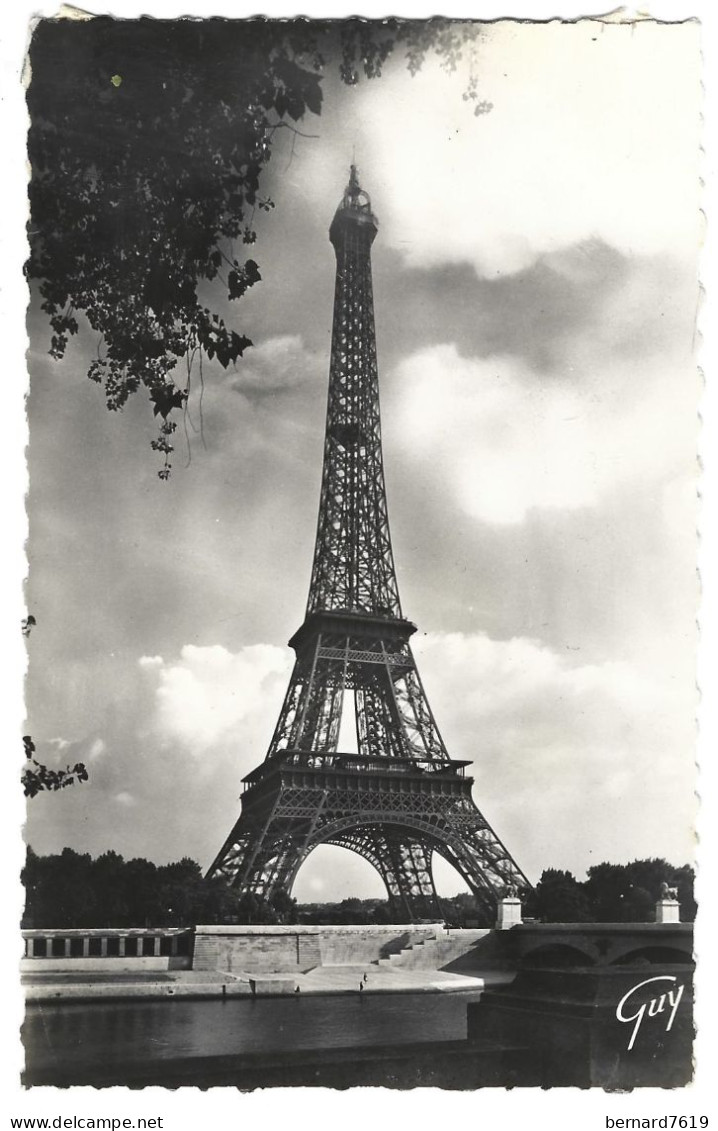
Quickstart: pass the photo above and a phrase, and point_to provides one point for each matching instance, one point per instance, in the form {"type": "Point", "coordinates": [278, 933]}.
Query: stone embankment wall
{"type": "Point", "coordinates": [244, 950]}
{"type": "Point", "coordinates": [277, 949]}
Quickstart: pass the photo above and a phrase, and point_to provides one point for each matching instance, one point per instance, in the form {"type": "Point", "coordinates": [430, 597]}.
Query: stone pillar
{"type": "Point", "coordinates": [103, 947]}
{"type": "Point", "coordinates": [86, 946]}
{"type": "Point", "coordinates": [68, 948]}
{"type": "Point", "coordinates": [157, 943]}
{"type": "Point", "coordinates": [121, 946]}
{"type": "Point", "coordinates": [509, 913]}
{"type": "Point", "coordinates": [48, 948]}
{"type": "Point", "coordinates": [668, 911]}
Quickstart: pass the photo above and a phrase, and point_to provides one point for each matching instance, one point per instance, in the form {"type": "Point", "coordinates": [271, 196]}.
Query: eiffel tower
{"type": "Point", "coordinates": [400, 797]}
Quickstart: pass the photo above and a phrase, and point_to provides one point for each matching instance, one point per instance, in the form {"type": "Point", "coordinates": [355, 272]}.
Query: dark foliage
{"type": "Point", "coordinates": [460, 910]}
{"type": "Point", "coordinates": [37, 777]}
{"type": "Point", "coordinates": [612, 893]}
{"type": "Point", "coordinates": [73, 890]}
{"type": "Point", "coordinates": [351, 911]}
{"type": "Point", "coordinates": [559, 898]}
{"type": "Point", "coordinates": [627, 893]}
{"type": "Point", "coordinates": [147, 145]}
{"type": "Point", "coordinates": [280, 908]}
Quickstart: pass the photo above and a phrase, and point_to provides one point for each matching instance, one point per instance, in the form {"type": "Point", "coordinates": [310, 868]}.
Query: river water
{"type": "Point", "coordinates": [76, 1037]}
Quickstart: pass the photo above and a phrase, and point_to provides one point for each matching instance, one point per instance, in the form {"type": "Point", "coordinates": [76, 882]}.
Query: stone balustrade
{"type": "Point", "coordinates": [165, 945]}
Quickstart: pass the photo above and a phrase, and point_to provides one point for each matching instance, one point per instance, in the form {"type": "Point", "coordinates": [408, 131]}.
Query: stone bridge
{"type": "Point", "coordinates": [551, 945]}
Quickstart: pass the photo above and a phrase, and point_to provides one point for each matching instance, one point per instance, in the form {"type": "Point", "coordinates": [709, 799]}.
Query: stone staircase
{"type": "Point", "coordinates": [433, 953]}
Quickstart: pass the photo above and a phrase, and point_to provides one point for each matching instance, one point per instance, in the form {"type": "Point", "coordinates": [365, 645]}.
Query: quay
{"type": "Point", "coordinates": [211, 961]}
{"type": "Point", "coordinates": [538, 1004]}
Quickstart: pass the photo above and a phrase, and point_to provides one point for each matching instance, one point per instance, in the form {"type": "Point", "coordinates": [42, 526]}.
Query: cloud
{"type": "Point", "coordinates": [75, 750]}
{"type": "Point", "coordinates": [211, 695]}
{"type": "Point", "coordinates": [568, 312]}
{"type": "Point", "coordinates": [124, 799]}
{"type": "Point", "coordinates": [60, 744]}
{"type": "Point", "coordinates": [586, 140]}
{"type": "Point", "coordinates": [96, 750]}
{"type": "Point", "coordinates": [560, 744]}
{"type": "Point", "coordinates": [507, 442]}
{"type": "Point", "coordinates": [275, 365]}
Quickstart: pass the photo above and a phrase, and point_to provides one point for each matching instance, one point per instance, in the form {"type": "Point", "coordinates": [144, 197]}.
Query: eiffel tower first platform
{"type": "Point", "coordinates": [400, 798]}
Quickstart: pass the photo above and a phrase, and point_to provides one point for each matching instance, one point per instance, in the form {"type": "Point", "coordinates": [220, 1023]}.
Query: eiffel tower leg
{"type": "Point", "coordinates": [414, 876]}
{"type": "Point", "coordinates": [270, 841]}
{"type": "Point", "coordinates": [485, 895]}
{"type": "Point", "coordinates": [235, 860]}
{"type": "Point", "coordinates": [485, 865]}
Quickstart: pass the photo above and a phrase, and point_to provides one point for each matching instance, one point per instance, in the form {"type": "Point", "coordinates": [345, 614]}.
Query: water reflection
{"type": "Point", "coordinates": [92, 1034]}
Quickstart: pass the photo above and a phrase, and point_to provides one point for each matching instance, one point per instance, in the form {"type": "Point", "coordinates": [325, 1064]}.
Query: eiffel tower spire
{"type": "Point", "coordinates": [399, 798]}
{"type": "Point", "coordinates": [353, 561]}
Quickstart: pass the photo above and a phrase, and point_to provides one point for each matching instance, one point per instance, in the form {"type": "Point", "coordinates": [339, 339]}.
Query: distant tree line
{"type": "Point", "coordinates": [73, 890]}
{"type": "Point", "coordinates": [612, 893]}
{"type": "Point", "coordinates": [351, 911]}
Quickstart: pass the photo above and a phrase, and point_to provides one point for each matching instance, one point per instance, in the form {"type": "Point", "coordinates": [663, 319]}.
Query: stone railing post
{"type": "Point", "coordinates": [668, 911]}
{"type": "Point", "coordinates": [509, 913]}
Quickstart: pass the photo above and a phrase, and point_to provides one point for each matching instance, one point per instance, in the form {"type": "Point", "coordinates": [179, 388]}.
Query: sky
{"type": "Point", "coordinates": [535, 278]}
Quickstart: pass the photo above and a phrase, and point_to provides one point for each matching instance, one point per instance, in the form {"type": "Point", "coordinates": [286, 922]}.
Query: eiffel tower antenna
{"type": "Point", "coordinates": [400, 798]}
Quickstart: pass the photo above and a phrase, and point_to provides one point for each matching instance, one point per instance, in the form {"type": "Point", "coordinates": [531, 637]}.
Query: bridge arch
{"type": "Point", "coordinates": [561, 955]}
{"type": "Point", "coordinates": [653, 955]}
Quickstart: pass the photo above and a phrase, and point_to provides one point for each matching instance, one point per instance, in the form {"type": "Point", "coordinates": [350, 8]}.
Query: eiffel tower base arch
{"type": "Point", "coordinates": [394, 820]}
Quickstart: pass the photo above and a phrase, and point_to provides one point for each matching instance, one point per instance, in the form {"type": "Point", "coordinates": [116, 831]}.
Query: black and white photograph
{"type": "Point", "coordinates": [361, 602]}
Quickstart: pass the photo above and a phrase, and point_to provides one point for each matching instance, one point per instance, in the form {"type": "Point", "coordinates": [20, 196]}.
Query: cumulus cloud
{"type": "Point", "coordinates": [210, 694]}
{"type": "Point", "coordinates": [60, 744]}
{"type": "Point", "coordinates": [586, 139]}
{"type": "Point", "coordinates": [507, 442]}
{"type": "Point", "coordinates": [277, 364]}
{"type": "Point", "coordinates": [85, 749]}
{"type": "Point", "coordinates": [97, 748]}
{"type": "Point", "coordinates": [560, 744]}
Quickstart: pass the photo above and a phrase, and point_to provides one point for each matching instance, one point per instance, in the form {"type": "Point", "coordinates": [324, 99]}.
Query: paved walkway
{"type": "Point", "coordinates": [348, 979]}
{"type": "Point", "coordinates": [216, 983]}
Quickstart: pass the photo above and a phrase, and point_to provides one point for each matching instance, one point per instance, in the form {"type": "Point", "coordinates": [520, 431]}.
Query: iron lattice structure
{"type": "Point", "coordinates": [400, 797]}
